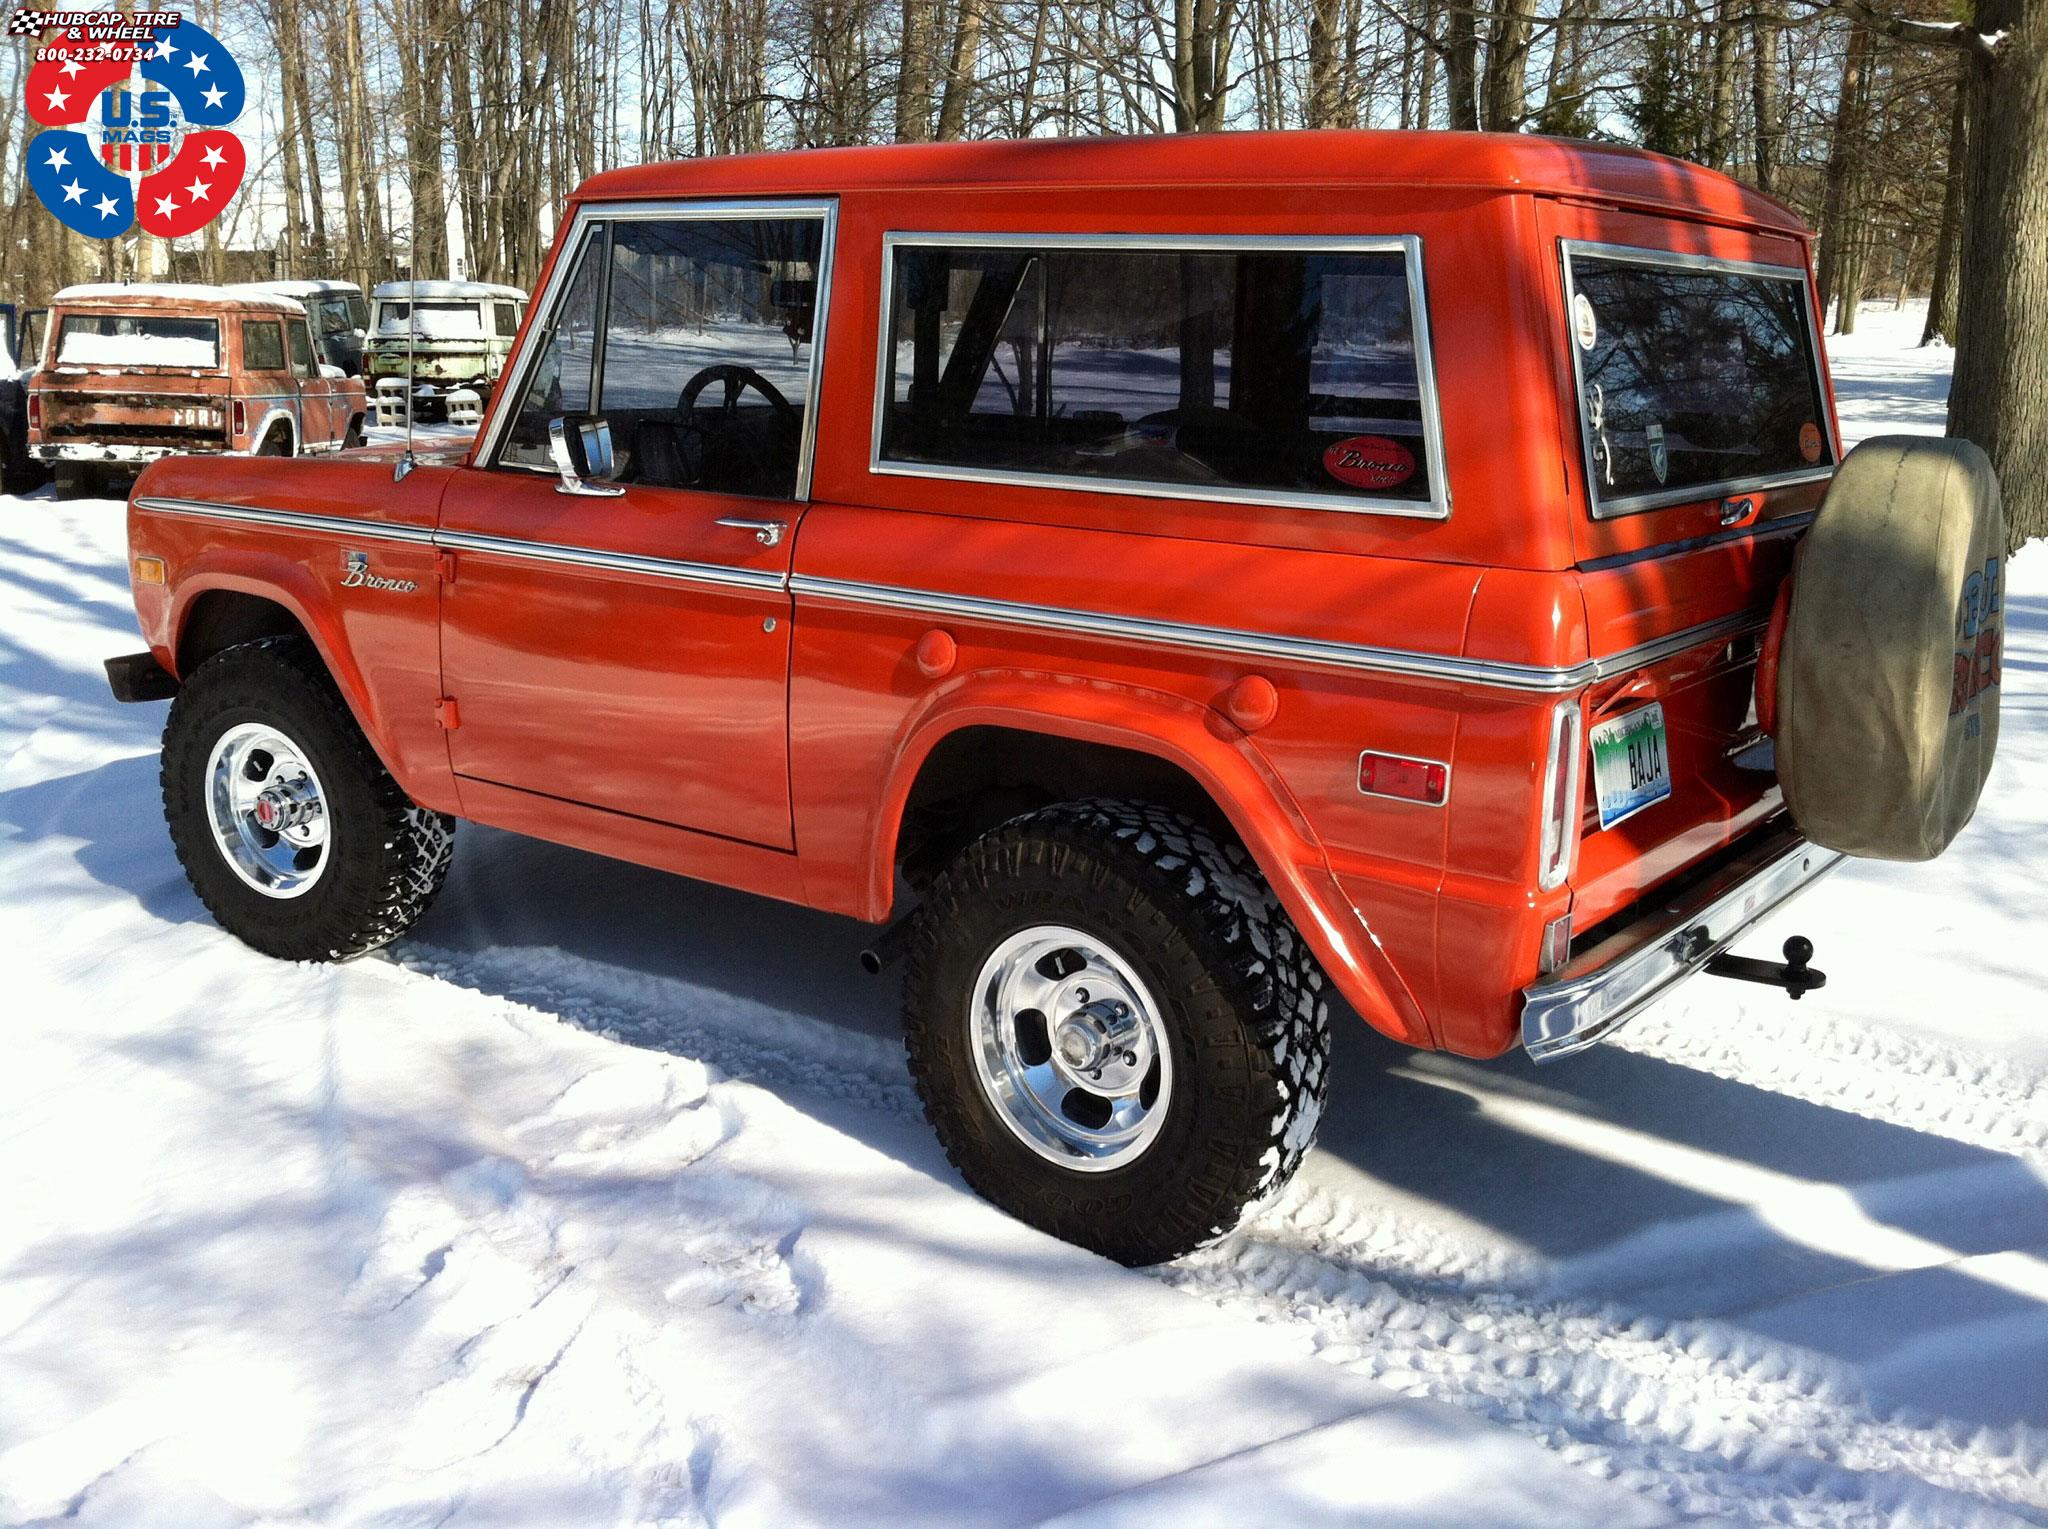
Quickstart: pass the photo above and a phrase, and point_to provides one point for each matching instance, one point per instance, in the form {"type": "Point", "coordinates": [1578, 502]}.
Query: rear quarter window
{"type": "Point", "coordinates": [262, 346]}
{"type": "Point", "coordinates": [1265, 374]}
{"type": "Point", "coordinates": [1696, 377]}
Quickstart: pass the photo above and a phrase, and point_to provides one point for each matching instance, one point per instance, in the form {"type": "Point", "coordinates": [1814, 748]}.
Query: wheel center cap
{"type": "Point", "coordinates": [1079, 1045]}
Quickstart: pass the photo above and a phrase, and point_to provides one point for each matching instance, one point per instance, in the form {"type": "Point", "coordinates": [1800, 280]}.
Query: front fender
{"type": "Point", "coordinates": [1220, 757]}
{"type": "Point", "coordinates": [385, 668]}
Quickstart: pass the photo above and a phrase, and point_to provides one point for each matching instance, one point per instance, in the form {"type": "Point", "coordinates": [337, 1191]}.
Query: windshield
{"type": "Point", "coordinates": [138, 339]}
{"type": "Point", "coordinates": [431, 321]}
{"type": "Point", "coordinates": [1695, 377]}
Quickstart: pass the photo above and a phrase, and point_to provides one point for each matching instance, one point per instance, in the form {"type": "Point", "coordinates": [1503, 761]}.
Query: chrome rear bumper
{"type": "Point", "coordinates": [1605, 986]}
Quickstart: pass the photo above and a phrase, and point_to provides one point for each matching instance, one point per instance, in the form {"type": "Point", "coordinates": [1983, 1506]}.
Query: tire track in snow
{"type": "Point", "coordinates": [1696, 1414]}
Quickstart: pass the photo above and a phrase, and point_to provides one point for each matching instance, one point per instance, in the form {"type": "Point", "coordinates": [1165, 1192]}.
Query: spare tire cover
{"type": "Point", "coordinates": [1888, 677]}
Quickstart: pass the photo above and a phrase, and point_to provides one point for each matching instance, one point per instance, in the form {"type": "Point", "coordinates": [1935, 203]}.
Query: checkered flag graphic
{"type": "Point", "coordinates": [29, 23]}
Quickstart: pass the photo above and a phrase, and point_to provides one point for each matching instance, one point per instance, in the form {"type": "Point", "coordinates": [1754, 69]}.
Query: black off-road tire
{"type": "Point", "coordinates": [387, 856]}
{"type": "Point", "coordinates": [1245, 1016]}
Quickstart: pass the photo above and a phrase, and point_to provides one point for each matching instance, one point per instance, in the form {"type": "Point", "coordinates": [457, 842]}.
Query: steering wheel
{"type": "Point", "coordinates": [736, 380]}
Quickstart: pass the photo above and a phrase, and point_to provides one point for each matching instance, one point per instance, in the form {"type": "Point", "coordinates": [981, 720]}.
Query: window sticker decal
{"type": "Point", "coordinates": [1585, 326]}
{"type": "Point", "coordinates": [1810, 441]}
{"type": "Point", "coordinates": [1369, 461]}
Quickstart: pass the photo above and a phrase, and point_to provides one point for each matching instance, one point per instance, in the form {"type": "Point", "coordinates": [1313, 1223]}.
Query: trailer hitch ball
{"type": "Point", "coordinates": [1795, 975]}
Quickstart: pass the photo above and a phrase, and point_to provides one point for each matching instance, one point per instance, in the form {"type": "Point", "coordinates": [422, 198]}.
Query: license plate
{"type": "Point", "coordinates": [1631, 763]}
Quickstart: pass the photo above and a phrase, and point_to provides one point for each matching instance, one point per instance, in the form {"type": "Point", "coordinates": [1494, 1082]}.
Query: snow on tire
{"type": "Point", "coordinates": [294, 835]}
{"type": "Point", "coordinates": [1209, 1096]}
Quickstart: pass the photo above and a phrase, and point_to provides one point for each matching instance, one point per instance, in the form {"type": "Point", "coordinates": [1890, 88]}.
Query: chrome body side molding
{"type": "Point", "coordinates": [1499, 674]}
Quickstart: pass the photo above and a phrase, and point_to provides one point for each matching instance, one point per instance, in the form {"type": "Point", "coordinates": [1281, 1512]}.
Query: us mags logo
{"type": "Point", "coordinates": [136, 110]}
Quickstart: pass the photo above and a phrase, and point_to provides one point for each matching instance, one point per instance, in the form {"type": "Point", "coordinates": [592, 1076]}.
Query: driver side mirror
{"type": "Point", "coordinates": [582, 448]}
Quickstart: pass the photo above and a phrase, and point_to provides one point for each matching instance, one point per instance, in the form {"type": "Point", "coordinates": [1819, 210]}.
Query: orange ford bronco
{"type": "Point", "coordinates": [1167, 582]}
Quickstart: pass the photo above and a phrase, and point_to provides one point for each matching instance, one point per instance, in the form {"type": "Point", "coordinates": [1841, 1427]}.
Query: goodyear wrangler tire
{"type": "Point", "coordinates": [1888, 673]}
{"type": "Point", "coordinates": [1117, 1034]}
{"type": "Point", "coordinates": [290, 829]}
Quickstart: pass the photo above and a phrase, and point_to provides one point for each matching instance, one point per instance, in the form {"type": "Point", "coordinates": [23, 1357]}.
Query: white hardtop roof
{"type": "Point", "coordinates": [294, 288]}
{"type": "Point", "coordinates": [459, 290]}
{"type": "Point", "coordinates": [188, 293]}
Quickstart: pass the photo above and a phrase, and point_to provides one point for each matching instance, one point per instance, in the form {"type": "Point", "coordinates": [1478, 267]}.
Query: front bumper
{"type": "Point", "coordinates": [1603, 987]}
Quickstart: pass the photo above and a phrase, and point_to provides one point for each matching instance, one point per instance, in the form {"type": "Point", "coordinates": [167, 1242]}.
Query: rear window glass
{"type": "Point", "coordinates": [138, 339]}
{"type": "Point", "coordinates": [262, 346]}
{"type": "Point", "coordinates": [1263, 375]}
{"type": "Point", "coordinates": [1694, 379]}
{"type": "Point", "coordinates": [430, 321]}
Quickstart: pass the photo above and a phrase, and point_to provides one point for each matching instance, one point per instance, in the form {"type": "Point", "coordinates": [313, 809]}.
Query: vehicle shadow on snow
{"type": "Point", "coordinates": [1659, 1225]}
{"type": "Point", "coordinates": [1403, 1120]}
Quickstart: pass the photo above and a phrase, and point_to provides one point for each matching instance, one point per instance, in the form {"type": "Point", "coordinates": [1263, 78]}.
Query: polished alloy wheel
{"type": "Point", "coordinates": [1070, 1048]}
{"type": "Point", "coordinates": [265, 807]}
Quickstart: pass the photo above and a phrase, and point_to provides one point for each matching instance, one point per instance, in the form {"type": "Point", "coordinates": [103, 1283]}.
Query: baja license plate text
{"type": "Point", "coordinates": [1631, 763]}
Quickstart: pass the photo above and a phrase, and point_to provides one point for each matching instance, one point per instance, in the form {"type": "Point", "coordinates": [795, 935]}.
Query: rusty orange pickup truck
{"type": "Point", "coordinates": [134, 373]}
{"type": "Point", "coordinates": [1162, 584]}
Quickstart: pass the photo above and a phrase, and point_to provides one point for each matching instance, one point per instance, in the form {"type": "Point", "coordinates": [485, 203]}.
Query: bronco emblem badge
{"type": "Point", "coordinates": [356, 575]}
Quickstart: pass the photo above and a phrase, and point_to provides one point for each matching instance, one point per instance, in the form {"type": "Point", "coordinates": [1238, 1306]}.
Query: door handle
{"type": "Point", "coordinates": [767, 532]}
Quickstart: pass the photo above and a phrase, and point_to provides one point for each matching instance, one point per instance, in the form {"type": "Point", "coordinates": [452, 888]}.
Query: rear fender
{"type": "Point", "coordinates": [1210, 749]}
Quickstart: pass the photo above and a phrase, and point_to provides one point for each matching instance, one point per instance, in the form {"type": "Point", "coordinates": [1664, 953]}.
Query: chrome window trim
{"type": "Point", "coordinates": [512, 385]}
{"type": "Point", "coordinates": [1408, 246]}
{"type": "Point", "coordinates": [1633, 504]}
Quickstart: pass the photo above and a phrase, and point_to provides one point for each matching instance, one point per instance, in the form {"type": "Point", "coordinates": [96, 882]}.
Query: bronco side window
{"type": "Point", "coordinates": [1282, 371]}
{"type": "Point", "coordinates": [705, 373]}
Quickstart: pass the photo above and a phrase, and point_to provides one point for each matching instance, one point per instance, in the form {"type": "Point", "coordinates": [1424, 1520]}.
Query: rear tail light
{"type": "Point", "coordinates": [35, 411]}
{"type": "Point", "coordinates": [1560, 796]}
{"type": "Point", "coordinates": [241, 417]}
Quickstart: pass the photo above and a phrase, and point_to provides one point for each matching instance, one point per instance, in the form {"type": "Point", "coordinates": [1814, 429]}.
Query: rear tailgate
{"type": "Point", "coordinates": [1701, 436]}
{"type": "Point", "coordinates": [1721, 782]}
{"type": "Point", "coordinates": [177, 413]}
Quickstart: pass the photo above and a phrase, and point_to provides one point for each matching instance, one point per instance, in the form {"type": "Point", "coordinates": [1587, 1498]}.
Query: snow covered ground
{"type": "Point", "coordinates": [603, 1200]}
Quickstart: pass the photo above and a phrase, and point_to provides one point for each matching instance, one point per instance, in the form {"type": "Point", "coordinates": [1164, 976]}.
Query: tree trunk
{"type": "Point", "coordinates": [1845, 153]}
{"type": "Point", "coordinates": [1461, 66]}
{"type": "Point", "coordinates": [1763, 90]}
{"type": "Point", "coordinates": [1721, 101]}
{"type": "Point", "coordinates": [1999, 398]}
{"type": "Point", "coordinates": [1507, 59]}
{"type": "Point", "coordinates": [1941, 302]}
{"type": "Point", "coordinates": [1325, 62]}
{"type": "Point", "coordinates": [914, 82]}
{"type": "Point", "coordinates": [960, 72]}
